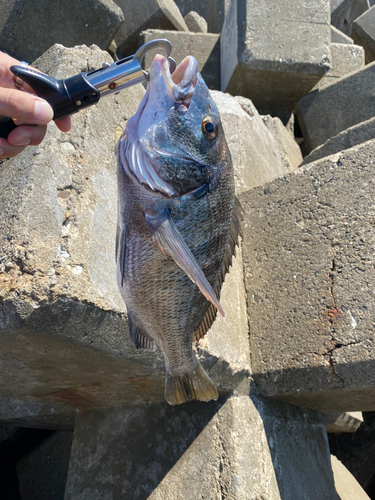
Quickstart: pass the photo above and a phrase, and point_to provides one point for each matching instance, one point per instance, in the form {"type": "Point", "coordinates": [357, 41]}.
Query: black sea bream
{"type": "Point", "coordinates": [178, 222]}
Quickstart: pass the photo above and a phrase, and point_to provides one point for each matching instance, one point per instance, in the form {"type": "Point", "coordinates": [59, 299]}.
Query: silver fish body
{"type": "Point", "coordinates": [178, 223]}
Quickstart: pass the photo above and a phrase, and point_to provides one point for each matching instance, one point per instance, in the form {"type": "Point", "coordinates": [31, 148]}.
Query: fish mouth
{"type": "Point", "coordinates": [181, 84]}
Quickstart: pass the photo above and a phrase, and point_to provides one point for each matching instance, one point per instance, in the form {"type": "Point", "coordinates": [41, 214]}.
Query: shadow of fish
{"type": "Point", "coordinates": [178, 222]}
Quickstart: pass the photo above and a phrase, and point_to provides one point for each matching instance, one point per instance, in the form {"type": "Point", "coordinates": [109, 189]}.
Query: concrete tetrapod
{"type": "Point", "coordinates": [308, 259]}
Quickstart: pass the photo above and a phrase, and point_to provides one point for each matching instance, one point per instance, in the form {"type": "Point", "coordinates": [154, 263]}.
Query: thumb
{"type": "Point", "coordinates": [24, 107]}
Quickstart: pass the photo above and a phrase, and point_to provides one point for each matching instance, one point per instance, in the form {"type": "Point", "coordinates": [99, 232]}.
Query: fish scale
{"type": "Point", "coordinates": [175, 247]}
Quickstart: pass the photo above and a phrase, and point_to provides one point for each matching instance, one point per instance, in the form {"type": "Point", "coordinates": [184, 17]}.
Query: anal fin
{"type": "Point", "coordinates": [140, 338]}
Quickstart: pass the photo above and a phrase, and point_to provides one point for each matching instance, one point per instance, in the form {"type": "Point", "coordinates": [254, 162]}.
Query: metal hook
{"type": "Point", "coordinates": [160, 43]}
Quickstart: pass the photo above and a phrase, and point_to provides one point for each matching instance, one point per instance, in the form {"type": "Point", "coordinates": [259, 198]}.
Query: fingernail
{"type": "Point", "coordinates": [21, 141]}
{"type": "Point", "coordinates": [43, 112]}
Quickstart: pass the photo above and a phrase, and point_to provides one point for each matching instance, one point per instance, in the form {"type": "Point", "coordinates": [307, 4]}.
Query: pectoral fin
{"type": "Point", "coordinates": [170, 241]}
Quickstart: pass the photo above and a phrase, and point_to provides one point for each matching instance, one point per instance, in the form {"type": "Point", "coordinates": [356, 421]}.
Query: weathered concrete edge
{"type": "Point", "coordinates": [360, 398]}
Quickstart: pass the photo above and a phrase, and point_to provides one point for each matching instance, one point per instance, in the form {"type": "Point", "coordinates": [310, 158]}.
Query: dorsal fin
{"type": "Point", "coordinates": [169, 241]}
{"type": "Point", "coordinates": [234, 233]}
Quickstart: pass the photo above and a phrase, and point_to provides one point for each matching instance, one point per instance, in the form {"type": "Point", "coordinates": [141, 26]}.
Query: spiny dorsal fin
{"type": "Point", "coordinates": [234, 233]}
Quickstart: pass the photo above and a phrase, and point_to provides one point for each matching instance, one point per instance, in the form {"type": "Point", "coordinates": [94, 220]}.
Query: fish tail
{"type": "Point", "coordinates": [194, 384]}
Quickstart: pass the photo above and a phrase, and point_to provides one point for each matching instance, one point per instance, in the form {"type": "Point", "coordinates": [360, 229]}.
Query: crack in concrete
{"type": "Point", "coordinates": [332, 315]}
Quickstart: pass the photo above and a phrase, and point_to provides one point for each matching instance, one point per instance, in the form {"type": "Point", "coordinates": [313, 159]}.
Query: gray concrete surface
{"type": "Point", "coordinates": [308, 260]}
{"type": "Point", "coordinates": [205, 47]}
{"type": "Point", "coordinates": [356, 451]}
{"type": "Point", "coordinates": [62, 318]}
{"type": "Point", "coordinates": [255, 152]}
{"type": "Point", "coordinates": [213, 11]}
{"type": "Point", "coordinates": [346, 485]}
{"type": "Point", "coordinates": [274, 71]}
{"type": "Point", "coordinates": [345, 59]}
{"type": "Point", "coordinates": [140, 16]}
{"type": "Point", "coordinates": [338, 36]}
{"type": "Point", "coordinates": [28, 28]}
{"type": "Point", "coordinates": [32, 413]}
{"type": "Point", "coordinates": [352, 136]}
{"type": "Point", "coordinates": [290, 152]}
{"type": "Point", "coordinates": [364, 33]}
{"type": "Point", "coordinates": [348, 101]}
{"type": "Point", "coordinates": [346, 12]}
{"type": "Point", "coordinates": [196, 451]}
{"type": "Point", "coordinates": [290, 433]}
{"type": "Point", "coordinates": [195, 22]}
{"type": "Point", "coordinates": [43, 472]}
{"type": "Point", "coordinates": [343, 422]}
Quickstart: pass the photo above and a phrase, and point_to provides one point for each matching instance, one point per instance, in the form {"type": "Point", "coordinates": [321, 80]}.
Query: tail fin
{"type": "Point", "coordinates": [194, 384]}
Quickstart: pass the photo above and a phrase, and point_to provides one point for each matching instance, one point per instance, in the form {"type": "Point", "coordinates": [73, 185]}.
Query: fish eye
{"type": "Point", "coordinates": [209, 127]}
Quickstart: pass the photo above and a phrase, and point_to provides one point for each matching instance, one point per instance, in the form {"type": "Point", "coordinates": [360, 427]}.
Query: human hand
{"type": "Point", "coordinates": [26, 107]}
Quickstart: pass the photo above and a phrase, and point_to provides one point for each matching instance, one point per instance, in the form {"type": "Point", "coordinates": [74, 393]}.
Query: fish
{"type": "Point", "coordinates": [178, 222]}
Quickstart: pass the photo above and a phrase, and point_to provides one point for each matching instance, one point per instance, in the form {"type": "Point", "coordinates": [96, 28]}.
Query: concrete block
{"type": "Point", "coordinates": [346, 485]}
{"type": "Point", "coordinates": [348, 101]}
{"type": "Point", "coordinates": [346, 139]}
{"type": "Point", "coordinates": [364, 33]}
{"type": "Point", "coordinates": [345, 59]}
{"type": "Point", "coordinates": [356, 451]}
{"type": "Point", "coordinates": [213, 11]}
{"type": "Point", "coordinates": [346, 12]}
{"type": "Point", "coordinates": [195, 22]}
{"type": "Point", "coordinates": [239, 449]}
{"type": "Point", "coordinates": [290, 433]}
{"type": "Point", "coordinates": [205, 47]}
{"type": "Point", "coordinates": [343, 422]}
{"type": "Point", "coordinates": [140, 16]}
{"type": "Point", "coordinates": [28, 28]}
{"type": "Point", "coordinates": [274, 71]}
{"type": "Point", "coordinates": [338, 36]}
{"type": "Point", "coordinates": [255, 152]}
{"type": "Point", "coordinates": [37, 414]}
{"type": "Point", "coordinates": [19, 444]}
{"type": "Point", "coordinates": [334, 4]}
{"type": "Point", "coordinates": [62, 318]}
{"type": "Point", "coordinates": [42, 473]}
{"type": "Point", "coordinates": [308, 259]}
{"type": "Point", "coordinates": [290, 152]}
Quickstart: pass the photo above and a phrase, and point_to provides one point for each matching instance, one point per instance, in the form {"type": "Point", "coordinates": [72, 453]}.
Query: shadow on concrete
{"type": "Point", "coordinates": [299, 450]}
{"type": "Point", "coordinates": [356, 450]}
{"type": "Point", "coordinates": [330, 388]}
{"type": "Point", "coordinates": [19, 443]}
{"type": "Point", "coordinates": [135, 447]}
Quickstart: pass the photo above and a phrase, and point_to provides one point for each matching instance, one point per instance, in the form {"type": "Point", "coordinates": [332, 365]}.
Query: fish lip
{"type": "Point", "coordinates": [181, 84]}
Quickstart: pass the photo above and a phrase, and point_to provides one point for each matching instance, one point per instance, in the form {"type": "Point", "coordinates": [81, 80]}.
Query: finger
{"type": "Point", "coordinates": [25, 135]}
{"type": "Point", "coordinates": [64, 124]}
{"type": "Point", "coordinates": [8, 151]}
{"type": "Point", "coordinates": [7, 78]}
{"type": "Point", "coordinates": [24, 107]}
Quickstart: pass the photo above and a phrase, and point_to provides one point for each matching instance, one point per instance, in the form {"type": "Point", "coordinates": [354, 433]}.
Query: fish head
{"type": "Point", "coordinates": [179, 132]}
